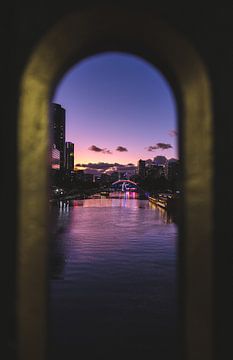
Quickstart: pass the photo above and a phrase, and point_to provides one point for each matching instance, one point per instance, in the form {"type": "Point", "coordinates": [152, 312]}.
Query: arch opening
{"type": "Point", "coordinates": [114, 109]}
{"type": "Point", "coordinates": [64, 44]}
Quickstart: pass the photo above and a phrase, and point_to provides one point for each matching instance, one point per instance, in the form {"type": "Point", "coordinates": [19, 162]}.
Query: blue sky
{"type": "Point", "coordinates": [118, 101]}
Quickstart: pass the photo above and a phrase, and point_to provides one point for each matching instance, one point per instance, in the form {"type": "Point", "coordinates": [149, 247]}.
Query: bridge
{"type": "Point", "coordinates": [133, 186]}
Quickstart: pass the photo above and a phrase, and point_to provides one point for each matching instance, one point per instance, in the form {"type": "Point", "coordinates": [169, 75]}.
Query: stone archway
{"type": "Point", "coordinates": [76, 36]}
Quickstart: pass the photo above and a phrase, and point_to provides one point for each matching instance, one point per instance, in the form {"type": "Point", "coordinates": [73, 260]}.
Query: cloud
{"type": "Point", "coordinates": [161, 146]}
{"type": "Point", "coordinates": [95, 148]}
{"type": "Point", "coordinates": [98, 149]}
{"type": "Point", "coordinates": [151, 148]}
{"type": "Point", "coordinates": [173, 133]}
{"type": "Point", "coordinates": [121, 149]}
{"type": "Point", "coordinates": [102, 167]}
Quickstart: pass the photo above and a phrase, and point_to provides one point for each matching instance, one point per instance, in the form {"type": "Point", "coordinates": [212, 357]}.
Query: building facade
{"type": "Point", "coordinates": [174, 173]}
{"type": "Point", "coordinates": [69, 156]}
{"type": "Point", "coordinates": [55, 158]}
{"type": "Point", "coordinates": [58, 125]}
{"type": "Point", "coordinates": [162, 161]}
{"type": "Point", "coordinates": [142, 168]}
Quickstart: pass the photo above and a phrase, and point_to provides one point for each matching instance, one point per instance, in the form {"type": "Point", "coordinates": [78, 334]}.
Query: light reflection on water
{"type": "Point", "coordinates": [113, 280]}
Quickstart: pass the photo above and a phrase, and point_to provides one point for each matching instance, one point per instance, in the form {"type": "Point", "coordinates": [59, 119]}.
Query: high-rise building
{"type": "Point", "coordinates": [162, 161]}
{"type": "Point", "coordinates": [55, 158]}
{"type": "Point", "coordinates": [142, 168]}
{"type": "Point", "coordinates": [58, 123]}
{"type": "Point", "coordinates": [174, 172]}
{"type": "Point", "coordinates": [69, 155]}
{"type": "Point", "coordinates": [155, 171]}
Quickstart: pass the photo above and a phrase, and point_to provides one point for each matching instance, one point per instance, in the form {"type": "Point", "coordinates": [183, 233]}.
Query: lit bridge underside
{"type": "Point", "coordinates": [124, 186]}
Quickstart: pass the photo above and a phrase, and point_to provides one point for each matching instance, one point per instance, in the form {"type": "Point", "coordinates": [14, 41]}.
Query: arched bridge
{"type": "Point", "coordinates": [124, 187]}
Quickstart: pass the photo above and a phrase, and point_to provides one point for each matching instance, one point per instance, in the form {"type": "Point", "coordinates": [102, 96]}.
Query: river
{"type": "Point", "coordinates": [112, 287]}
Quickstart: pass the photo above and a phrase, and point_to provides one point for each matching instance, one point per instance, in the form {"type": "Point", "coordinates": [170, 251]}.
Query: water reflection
{"type": "Point", "coordinates": [166, 216]}
{"type": "Point", "coordinates": [59, 225]}
{"type": "Point", "coordinates": [113, 283]}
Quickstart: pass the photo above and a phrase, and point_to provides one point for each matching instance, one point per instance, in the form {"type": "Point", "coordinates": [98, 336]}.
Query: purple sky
{"type": "Point", "coordinates": [118, 101]}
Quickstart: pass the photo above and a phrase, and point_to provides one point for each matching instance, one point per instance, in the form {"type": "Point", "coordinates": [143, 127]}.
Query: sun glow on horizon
{"type": "Point", "coordinates": [119, 109]}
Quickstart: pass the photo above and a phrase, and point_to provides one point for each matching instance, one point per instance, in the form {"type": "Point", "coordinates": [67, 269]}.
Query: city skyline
{"type": "Point", "coordinates": [119, 109]}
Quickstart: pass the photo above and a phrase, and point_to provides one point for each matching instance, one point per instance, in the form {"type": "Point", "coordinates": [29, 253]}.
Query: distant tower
{"type": "Point", "coordinates": [161, 160]}
{"type": "Point", "coordinates": [174, 172]}
{"type": "Point", "coordinates": [69, 164]}
{"type": "Point", "coordinates": [58, 123]}
{"type": "Point", "coordinates": [142, 168]}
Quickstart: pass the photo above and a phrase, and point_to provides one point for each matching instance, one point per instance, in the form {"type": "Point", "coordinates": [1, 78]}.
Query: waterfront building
{"type": "Point", "coordinates": [89, 178]}
{"type": "Point", "coordinates": [174, 172]}
{"type": "Point", "coordinates": [58, 121]}
{"type": "Point", "coordinates": [55, 158]}
{"type": "Point", "coordinates": [105, 178]}
{"type": "Point", "coordinates": [69, 156]}
{"type": "Point", "coordinates": [80, 175]}
{"type": "Point", "coordinates": [155, 171]}
{"type": "Point", "coordinates": [142, 168]}
{"type": "Point", "coordinates": [162, 161]}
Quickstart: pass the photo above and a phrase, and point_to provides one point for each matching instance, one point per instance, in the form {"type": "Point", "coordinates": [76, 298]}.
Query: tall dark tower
{"type": "Point", "coordinates": [69, 165]}
{"type": "Point", "coordinates": [142, 168]}
{"type": "Point", "coordinates": [58, 127]}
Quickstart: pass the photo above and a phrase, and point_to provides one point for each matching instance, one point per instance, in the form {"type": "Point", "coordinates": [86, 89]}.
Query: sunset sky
{"type": "Point", "coordinates": [119, 109]}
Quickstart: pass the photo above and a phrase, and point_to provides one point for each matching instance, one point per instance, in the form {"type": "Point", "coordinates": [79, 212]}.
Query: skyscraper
{"type": "Point", "coordinates": [55, 158]}
{"type": "Point", "coordinates": [162, 161]}
{"type": "Point", "coordinates": [58, 123]}
{"type": "Point", "coordinates": [174, 172]}
{"type": "Point", "coordinates": [69, 154]}
{"type": "Point", "coordinates": [142, 168]}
